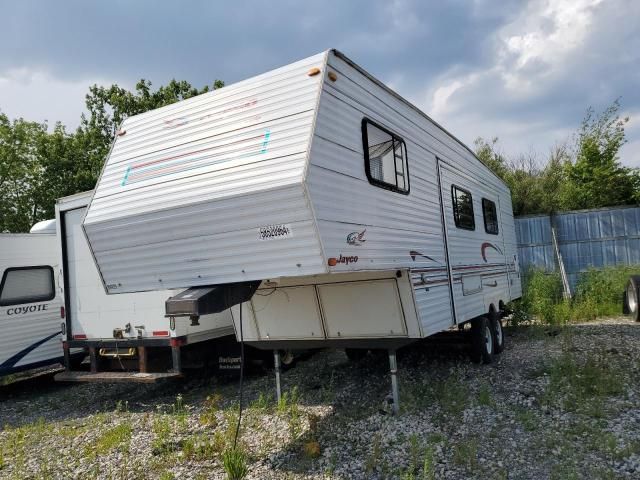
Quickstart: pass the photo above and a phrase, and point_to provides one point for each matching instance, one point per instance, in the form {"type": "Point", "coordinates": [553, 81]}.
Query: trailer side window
{"type": "Point", "coordinates": [27, 285]}
{"type": "Point", "coordinates": [462, 208]}
{"type": "Point", "coordinates": [490, 216]}
{"type": "Point", "coordinates": [385, 158]}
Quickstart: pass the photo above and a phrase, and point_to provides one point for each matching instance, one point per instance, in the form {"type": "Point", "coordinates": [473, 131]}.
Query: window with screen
{"type": "Point", "coordinates": [385, 156]}
{"type": "Point", "coordinates": [490, 216]}
{"type": "Point", "coordinates": [27, 285]}
{"type": "Point", "coordinates": [463, 208]}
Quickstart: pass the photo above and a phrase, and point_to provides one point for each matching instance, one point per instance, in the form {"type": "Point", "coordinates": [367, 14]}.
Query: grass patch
{"type": "Point", "coordinates": [203, 447]}
{"type": "Point", "coordinates": [234, 462]}
{"type": "Point", "coordinates": [598, 293]}
{"type": "Point", "coordinates": [289, 406]}
{"type": "Point", "coordinates": [211, 408]}
{"type": "Point", "coordinates": [117, 437]}
{"type": "Point", "coordinates": [527, 419]}
{"type": "Point", "coordinates": [450, 394]}
{"type": "Point", "coordinates": [373, 459]}
{"type": "Point", "coordinates": [263, 403]}
{"type": "Point", "coordinates": [484, 396]}
{"type": "Point", "coordinates": [161, 443]}
{"type": "Point", "coordinates": [465, 454]}
{"type": "Point", "coordinates": [581, 385]}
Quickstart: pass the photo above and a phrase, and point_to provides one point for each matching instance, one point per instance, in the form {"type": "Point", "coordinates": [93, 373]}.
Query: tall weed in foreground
{"type": "Point", "coordinates": [234, 462]}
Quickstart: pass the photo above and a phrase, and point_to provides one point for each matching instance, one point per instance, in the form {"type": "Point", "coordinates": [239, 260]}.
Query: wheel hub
{"type": "Point", "coordinates": [632, 298]}
{"type": "Point", "coordinates": [498, 332]}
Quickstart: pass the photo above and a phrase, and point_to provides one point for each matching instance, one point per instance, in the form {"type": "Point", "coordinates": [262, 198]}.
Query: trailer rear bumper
{"type": "Point", "coordinates": [116, 377]}
{"type": "Point", "coordinates": [139, 365]}
{"type": "Point", "coordinates": [146, 360]}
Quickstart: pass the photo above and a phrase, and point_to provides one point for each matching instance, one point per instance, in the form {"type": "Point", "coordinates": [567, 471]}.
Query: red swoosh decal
{"type": "Point", "coordinates": [483, 249]}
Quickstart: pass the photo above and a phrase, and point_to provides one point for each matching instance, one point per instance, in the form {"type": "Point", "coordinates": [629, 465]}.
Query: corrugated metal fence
{"type": "Point", "coordinates": [587, 238]}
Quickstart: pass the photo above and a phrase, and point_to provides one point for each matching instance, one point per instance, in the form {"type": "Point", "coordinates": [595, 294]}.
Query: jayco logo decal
{"type": "Point", "coordinates": [356, 238]}
{"type": "Point", "coordinates": [346, 260]}
{"type": "Point", "coordinates": [483, 250]}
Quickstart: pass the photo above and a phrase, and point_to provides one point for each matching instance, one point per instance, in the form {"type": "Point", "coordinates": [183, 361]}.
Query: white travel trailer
{"type": "Point", "coordinates": [30, 301]}
{"type": "Point", "coordinates": [362, 222]}
{"type": "Point", "coordinates": [128, 337]}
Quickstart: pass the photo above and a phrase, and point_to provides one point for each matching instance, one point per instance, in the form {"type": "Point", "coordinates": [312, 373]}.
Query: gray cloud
{"type": "Point", "coordinates": [507, 67]}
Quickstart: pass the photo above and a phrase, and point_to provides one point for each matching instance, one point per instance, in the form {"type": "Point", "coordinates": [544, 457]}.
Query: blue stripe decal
{"type": "Point", "coordinates": [10, 362]}
{"type": "Point", "coordinates": [267, 134]}
{"type": "Point", "coordinates": [126, 175]}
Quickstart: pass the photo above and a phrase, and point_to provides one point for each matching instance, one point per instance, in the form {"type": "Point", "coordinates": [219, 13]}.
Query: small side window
{"type": "Point", "coordinates": [490, 216]}
{"type": "Point", "coordinates": [462, 208]}
{"type": "Point", "coordinates": [385, 158]}
{"type": "Point", "coordinates": [27, 285]}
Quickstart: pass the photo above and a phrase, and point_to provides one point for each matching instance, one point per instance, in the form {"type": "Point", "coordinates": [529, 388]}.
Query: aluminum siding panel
{"type": "Point", "coordinates": [187, 187]}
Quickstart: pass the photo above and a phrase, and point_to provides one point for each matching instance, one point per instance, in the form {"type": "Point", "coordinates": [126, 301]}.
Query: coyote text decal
{"type": "Point", "coordinates": [483, 250]}
{"type": "Point", "coordinates": [356, 238]}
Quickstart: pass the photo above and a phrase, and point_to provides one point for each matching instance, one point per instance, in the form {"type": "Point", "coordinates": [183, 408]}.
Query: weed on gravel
{"type": "Point", "coordinates": [559, 402]}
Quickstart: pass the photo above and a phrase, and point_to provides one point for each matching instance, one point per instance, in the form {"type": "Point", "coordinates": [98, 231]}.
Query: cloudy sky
{"type": "Point", "coordinates": [522, 70]}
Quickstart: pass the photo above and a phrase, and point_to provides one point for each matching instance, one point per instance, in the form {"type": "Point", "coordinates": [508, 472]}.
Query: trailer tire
{"type": "Point", "coordinates": [482, 344]}
{"type": "Point", "coordinates": [356, 354]}
{"type": "Point", "coordinates": [497, 332]}
{"type": "Point", "coordinates": [632, 296]}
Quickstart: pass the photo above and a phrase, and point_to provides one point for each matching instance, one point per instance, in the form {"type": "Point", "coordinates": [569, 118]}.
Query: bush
{"type": "Point", "coordinates": [541, 293]}
{"type": "Point", "coordinates": [598, 293]}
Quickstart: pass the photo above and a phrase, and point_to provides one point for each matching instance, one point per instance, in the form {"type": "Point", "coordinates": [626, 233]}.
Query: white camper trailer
{"type": "Point", "coordinates": [360, 221]}
{"type": "Point", "coordinates": [128, 336]}
{"type": "Point", "coordinates": [30, 301]}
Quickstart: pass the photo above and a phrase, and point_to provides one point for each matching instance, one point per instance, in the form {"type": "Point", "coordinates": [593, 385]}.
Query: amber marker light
{"type": "Point", "coordinates": [314, 71]}
{"type": "Point", "coordinates": [332, 262]}
{"type": "Point", "coordinates": [332, 76]}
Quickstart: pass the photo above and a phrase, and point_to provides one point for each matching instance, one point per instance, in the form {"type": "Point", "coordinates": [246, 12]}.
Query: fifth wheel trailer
{"type": "Point", "coordinates": [128, 337]}
{"type": "Point", "coordinates": [336, 211]}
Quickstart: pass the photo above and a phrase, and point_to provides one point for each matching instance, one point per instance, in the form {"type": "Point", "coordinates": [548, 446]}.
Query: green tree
{"type": "Point", "coordinates": [590, 176]}
{"type": "Point", "coordinates": [596, 178]}
{"type": "Point", "coordinates": [20, 173]}
{"type": "Point", "coordinates": [522, 175]}
{"type": "Point", "coordinates": [554, 182]}
{"type": "Point", "coordinates": [488, 153]}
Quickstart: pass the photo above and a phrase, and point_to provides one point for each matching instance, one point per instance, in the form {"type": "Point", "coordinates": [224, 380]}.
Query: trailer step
{"type": "Point", "coordinates": [115, 377]}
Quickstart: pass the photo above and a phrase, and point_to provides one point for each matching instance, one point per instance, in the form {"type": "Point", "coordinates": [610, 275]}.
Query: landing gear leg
{"type": "Point", "coordinates": [393, 368]}
{"type": "Point", "coordinates": [176, 358]}
{"type": "Point", "coordinates": [278, 368]}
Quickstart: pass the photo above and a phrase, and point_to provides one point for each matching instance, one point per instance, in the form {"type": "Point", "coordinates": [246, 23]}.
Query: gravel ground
{"type": "Point", "coordinates": [557, 403]}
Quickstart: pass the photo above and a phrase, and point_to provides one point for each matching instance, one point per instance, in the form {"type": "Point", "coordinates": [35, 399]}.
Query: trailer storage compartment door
{"type": "Point", "coordinates": [362, 309]}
